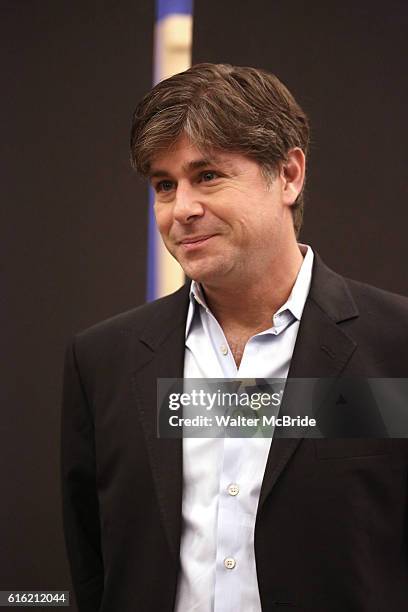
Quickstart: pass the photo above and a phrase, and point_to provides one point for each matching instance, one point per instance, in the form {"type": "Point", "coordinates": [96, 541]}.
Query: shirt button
{"type": "Point", "coordinates": [229, 563]}
{"type": "Point", "coordinates": [224, 349]}
{"type": "Point", "coordinates": [233, 489]}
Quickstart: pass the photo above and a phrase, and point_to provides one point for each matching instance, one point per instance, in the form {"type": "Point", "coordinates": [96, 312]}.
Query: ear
{"type": "Point", "coordinates": [292, 175]}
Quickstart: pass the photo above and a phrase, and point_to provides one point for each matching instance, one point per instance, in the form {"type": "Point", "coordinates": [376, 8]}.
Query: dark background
{"type": "Point", "coordinates": [74, 217]}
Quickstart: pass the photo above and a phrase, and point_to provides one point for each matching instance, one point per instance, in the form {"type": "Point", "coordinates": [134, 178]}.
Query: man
{"type": "Point", "coordinates": [232, 524]}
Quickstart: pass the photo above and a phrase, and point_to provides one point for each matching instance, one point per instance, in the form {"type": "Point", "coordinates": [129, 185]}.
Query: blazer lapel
{"type": "Point", "coordinates": [322, 350]}
{"type": "Point", "coordinates": [160, 354]}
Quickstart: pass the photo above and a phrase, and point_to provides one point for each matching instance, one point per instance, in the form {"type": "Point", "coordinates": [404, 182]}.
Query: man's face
{"type": "Point", "coordinates": [216, 214]}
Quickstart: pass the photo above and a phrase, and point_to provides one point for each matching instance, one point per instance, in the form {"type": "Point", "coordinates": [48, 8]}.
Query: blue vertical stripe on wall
{"type": "Point", "coordinates": [173, 7]}
{"type": "Point", "coordinates": [152, 290]}
{"type": "Point", "coordinates": [164, 8]}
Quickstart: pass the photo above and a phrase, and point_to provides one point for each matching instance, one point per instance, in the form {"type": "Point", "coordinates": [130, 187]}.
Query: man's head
{"type": "Point", "coordinates": [226, 108]}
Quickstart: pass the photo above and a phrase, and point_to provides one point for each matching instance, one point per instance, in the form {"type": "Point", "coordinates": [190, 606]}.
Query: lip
{"type": "Point", "coordinates": [195, 242]}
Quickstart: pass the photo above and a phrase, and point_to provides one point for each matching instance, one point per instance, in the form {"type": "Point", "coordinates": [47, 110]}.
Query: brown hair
{"type": "Point", "coordinates": [218, 106]}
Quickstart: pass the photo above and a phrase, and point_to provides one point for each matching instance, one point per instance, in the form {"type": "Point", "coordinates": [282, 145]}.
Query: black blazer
{"type": "Point", "coordinates": [331, 532]}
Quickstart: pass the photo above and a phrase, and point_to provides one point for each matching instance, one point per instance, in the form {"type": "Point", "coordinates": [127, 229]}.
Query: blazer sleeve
{"type": "Point", "coordinates": [79, 493]}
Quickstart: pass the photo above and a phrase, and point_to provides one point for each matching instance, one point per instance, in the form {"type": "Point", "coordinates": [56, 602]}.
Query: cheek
{"type": "Point", "coordinates": [163, 218]}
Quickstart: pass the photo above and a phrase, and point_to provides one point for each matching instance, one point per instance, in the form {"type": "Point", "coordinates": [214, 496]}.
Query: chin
{"type": "Point", "coordinates": [204, 274]}
{"type": "Point", "coordinates": [205, 268]}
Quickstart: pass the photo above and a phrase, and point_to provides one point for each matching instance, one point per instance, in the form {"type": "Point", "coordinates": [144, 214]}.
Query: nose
{"type": "Point", "coordinates": [187, 205]}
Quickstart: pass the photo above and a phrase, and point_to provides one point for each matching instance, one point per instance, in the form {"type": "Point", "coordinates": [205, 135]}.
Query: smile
{"type": "Point", "coordinates": [192, 244]}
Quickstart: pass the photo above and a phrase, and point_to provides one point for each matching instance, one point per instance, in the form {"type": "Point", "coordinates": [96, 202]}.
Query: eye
{"type": "Point", "coordinates": [208, 175]}
{"type": "Point", "coordinates": [164, 186]}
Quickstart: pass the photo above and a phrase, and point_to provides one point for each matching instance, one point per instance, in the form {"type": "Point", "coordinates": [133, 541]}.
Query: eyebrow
{"type": "Point", "coordinates": [195, 164]}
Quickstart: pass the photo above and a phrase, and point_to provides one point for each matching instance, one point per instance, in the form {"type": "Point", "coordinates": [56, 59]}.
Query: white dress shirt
{"type": "Point", "coordinates": [222, 477]}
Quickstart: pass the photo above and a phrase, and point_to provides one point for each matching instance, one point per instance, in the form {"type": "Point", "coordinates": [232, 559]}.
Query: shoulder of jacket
{"type": "Point", "coordinates": [133, 320]}
{"type": "Point", "coordinates": [369, 298]}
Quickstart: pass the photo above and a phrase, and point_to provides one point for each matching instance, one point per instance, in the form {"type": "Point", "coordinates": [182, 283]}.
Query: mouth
{"type": "Point", "coordinates": [195, 242]}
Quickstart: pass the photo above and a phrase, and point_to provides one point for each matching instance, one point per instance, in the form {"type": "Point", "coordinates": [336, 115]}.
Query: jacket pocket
{"type": "Point", "coordinates": [347, 448]}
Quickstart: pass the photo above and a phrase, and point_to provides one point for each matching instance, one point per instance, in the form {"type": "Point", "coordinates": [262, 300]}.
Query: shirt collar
{"type": "Point", "coordinates": [297, 298]}
{"type": "Point", "coordinates": [196, 299]}
{"type": "Point", "coordinates": [295, 302]}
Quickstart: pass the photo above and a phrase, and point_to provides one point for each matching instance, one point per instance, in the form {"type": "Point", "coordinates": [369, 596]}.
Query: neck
{"type": "Point", "coordinates": [251, 303]}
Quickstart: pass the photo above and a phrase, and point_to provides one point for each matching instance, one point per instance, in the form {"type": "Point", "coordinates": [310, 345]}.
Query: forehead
{"type": "Point", "coordinates": [187, 157]}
